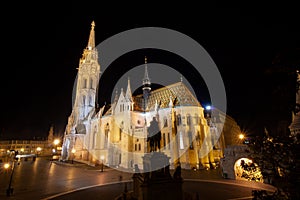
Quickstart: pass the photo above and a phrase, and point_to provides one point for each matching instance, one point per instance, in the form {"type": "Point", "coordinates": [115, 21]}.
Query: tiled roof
{"type": "Point", "coordinates": [164, 95]}
{"type": "Point", "coordinates": [178, 93]}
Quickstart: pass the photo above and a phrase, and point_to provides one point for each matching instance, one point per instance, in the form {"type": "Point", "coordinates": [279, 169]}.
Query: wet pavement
{"type": "Point", "coordinates": [45, 179]}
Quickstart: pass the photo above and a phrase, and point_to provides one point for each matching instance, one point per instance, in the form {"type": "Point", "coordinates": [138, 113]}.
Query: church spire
{"type": "Point", "coordinates": [146, 79]}
{"type": "Point", "coordinates": [128, 94]}
{"type": "Point", "coordinates": [116, 97]}
{"type": "Point", "coordinates": [91, 43]}
{"type": "Point", "coordinates": [146, 86]}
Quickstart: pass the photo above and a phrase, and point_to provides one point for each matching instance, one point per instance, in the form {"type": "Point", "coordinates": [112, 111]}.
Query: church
{"type": "Point", "coordinates": [117, 135]}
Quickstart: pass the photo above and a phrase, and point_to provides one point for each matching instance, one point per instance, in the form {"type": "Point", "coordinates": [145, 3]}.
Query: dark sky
{"type": "Point", "coordinates": [255, 50]}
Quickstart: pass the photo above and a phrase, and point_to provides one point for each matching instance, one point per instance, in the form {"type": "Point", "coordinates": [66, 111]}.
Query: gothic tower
{"type": "Point", "coordinates": [84, 95]}
{"type": "Point", "coordinates": [87, 80]}
{"type": "Point", "coordinates": [295, 125]}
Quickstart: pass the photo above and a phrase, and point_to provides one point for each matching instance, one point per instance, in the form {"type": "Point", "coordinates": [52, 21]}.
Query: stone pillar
{"type": "Point", "coordinates": [158, 182]}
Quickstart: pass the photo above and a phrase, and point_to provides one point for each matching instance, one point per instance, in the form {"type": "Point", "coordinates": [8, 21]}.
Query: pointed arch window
{"type": "Point", "coordinates": [178, 119]}
{"type": "Point", "coordinates": [90, 100]}
{"type": "Point", "coordinates": [83, 99]}
{"type": "Point", "coordinates": [84, 83]}
{"type": "Point", "coordinates": [190, 140]}
{"type": "Point", "coordinates": [165, 122]}
{"type": "Point", "coordinates": [181, 145]}
{"type": "Point", "coordinates": [106, 131]}
{"type": "Point", "coordinates": [169, 140]}
{"type": "Point", "coordinates": [91, 84]}
{"type": "Point", "coordinates": [189, 120]}
{"type": "Point", "coordinates": [95, 137]}
{"type": "Point", "coordinates": [120, 130]}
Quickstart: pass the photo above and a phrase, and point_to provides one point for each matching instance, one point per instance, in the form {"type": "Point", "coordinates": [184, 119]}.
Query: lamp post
{"type": "Point", "coordinates": [102, 162]}
{"type": "Point", "coordinates": [9, 190]}
{"type": "Point", "coordinates": [73, 155]}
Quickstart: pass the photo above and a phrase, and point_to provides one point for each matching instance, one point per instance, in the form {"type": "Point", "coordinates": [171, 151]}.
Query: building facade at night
{"type": "Point", "coordinates": [117, 135]}
{"type": "Point", "coordinates": [38, 146]}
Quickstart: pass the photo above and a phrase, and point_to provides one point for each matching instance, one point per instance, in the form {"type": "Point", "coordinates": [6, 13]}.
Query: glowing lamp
{"type": "Point", "coordinates": [241, 136]}
{"type": "Point", "coordinates": [6, 165]}
{"type": "Point", "coordinates": [56, 142]}
{"type": "Point", "coordinates": [208, 107]}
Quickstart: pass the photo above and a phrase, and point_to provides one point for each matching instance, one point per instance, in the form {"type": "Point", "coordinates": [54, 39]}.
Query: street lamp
{"type": "Point", "coordinates": [38, 149]}
{"type": "Point", "coordinates": [6, 165]}
{"type": "Point", "coordinates": [10, 190]}
{"type": "Point", "coordinates": [241, 136]}
{"type": "Point", "coordinates": [102, 162]}
{"type": "Point", "coordinates": [73, 154]}
{"type": "Point", "coordinates": [56, 142]}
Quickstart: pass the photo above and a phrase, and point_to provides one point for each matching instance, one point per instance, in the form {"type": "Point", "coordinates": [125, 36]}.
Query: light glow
{"type": "Point", "coordinates": [56, 141]}
{"type": "Point", "coordinates": [6, 165]}
{"type": "Point", "coordinates": [241, 136]}
{"type": "Point", "coordinates": [102, 157]}
{"type": "Point", "coordinates": [208, 107]}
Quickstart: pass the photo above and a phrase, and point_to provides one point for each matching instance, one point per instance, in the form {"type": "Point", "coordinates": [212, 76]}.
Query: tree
{"type": "Point", "coordinates": [279, 161]}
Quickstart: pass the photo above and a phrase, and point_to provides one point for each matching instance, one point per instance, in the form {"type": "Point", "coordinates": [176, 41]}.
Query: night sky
{"type": "Point", "coordinates": [255, 50]}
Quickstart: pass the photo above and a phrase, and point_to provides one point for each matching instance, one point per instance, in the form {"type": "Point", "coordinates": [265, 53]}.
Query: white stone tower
{"type": "Point", "coordinates": [84, 95]}
{"type": "Point", "coordinates": [87, 80]}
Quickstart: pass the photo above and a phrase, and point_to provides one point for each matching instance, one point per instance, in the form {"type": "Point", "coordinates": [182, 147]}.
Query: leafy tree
{"type": "Point", "coordinates": [279, 161]}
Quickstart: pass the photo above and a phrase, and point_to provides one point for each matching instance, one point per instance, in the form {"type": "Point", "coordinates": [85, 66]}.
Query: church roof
{"type": "Point", "coordinates": [176, 93]}
{"type": "Point", "coordinates": [163, 96]}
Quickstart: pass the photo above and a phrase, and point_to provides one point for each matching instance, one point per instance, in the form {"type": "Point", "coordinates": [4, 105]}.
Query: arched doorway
{"type": "Point", "coordinates": [246, 169]}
